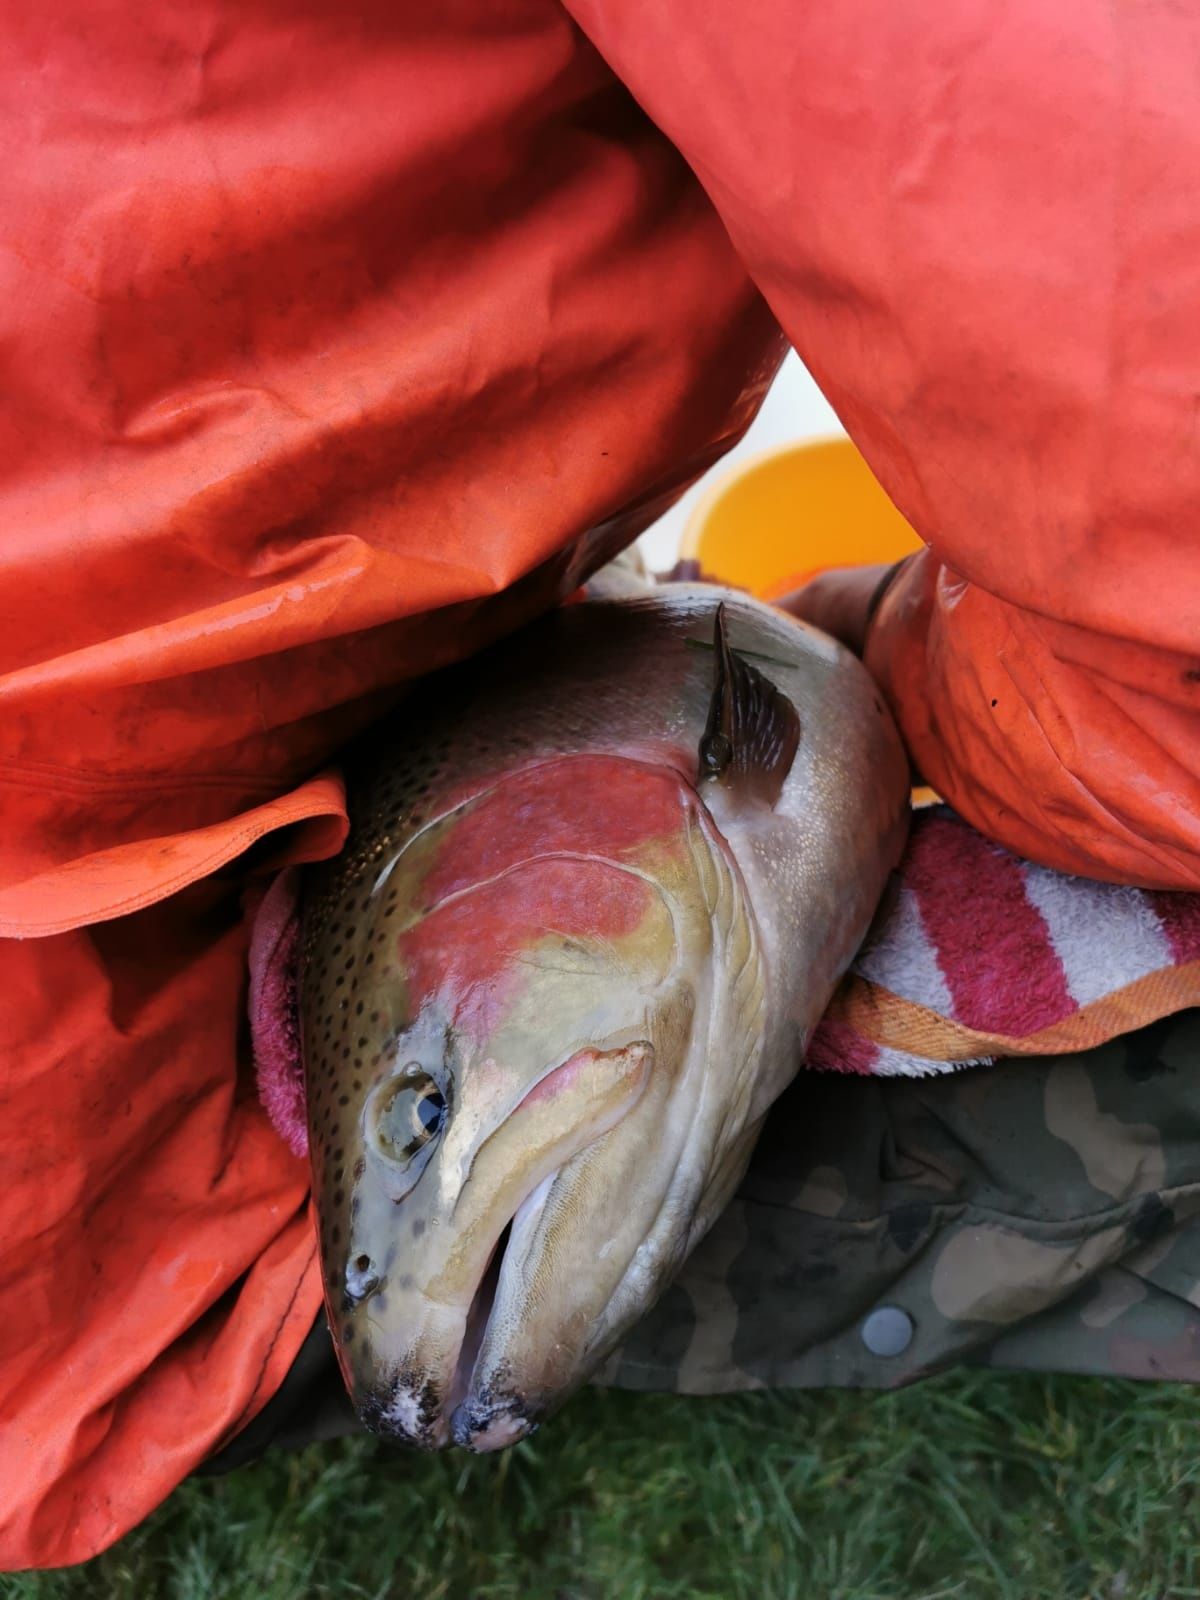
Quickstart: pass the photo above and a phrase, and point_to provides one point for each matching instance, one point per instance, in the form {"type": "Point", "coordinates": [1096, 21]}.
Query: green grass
{"type": "Point", "coordinates": [973, 1485]}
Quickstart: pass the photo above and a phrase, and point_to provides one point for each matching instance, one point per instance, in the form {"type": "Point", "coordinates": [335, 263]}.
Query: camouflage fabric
{"type": "Point", "coordinates": [1042, 1214]}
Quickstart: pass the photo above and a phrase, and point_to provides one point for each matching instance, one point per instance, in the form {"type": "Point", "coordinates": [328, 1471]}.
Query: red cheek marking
{"type": "Point", "coordinates": [590, 805]}
{"type": "Point", "coordinates": [468, 950]}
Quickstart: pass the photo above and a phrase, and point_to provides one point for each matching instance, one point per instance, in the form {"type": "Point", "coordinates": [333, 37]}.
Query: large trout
{"type": "Point", "coordinates": [600, 884]}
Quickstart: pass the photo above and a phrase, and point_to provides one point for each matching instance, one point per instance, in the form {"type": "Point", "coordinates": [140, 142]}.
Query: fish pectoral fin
{"type": "Point", "coordinates": [753, 729]}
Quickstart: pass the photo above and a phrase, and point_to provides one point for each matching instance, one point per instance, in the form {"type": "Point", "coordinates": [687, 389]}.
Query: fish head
{"type": "Point", "coordinates": [506, 1035]}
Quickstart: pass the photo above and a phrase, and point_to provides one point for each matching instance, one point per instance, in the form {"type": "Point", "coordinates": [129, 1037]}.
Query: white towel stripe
{"type": "Point", "coordinates": [904, 959]}
{"type": "Point", "coordinates": [891, 1063]}
{"type": "Point", "coordinates": [1106, 936]}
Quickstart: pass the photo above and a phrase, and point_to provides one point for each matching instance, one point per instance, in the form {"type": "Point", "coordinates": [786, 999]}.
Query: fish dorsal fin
{"type": "Point", "coordinates": [753, 730]}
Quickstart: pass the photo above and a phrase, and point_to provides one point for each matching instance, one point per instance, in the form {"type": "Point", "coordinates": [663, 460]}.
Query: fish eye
{"type": "Point", "coordinates": [409, 1116]}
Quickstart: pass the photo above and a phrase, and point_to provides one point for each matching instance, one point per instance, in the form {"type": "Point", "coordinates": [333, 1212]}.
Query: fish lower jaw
{"type": "Point", "coordinates": [499, 1434]}
{"type": "Point", "coordinates": [479, 1412]}
{"type": "Point", "coordinates": [475, 1331]}
{"type": "Point", "coordinates": [485, 1425]}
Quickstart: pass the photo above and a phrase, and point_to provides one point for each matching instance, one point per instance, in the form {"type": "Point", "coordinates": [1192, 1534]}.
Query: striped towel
{"type": "Point", "coordinates": [979, 954]}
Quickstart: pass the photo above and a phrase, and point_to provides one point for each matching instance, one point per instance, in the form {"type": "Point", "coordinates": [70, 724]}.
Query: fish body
{"type": "Point", "coordinates": [599, 886]}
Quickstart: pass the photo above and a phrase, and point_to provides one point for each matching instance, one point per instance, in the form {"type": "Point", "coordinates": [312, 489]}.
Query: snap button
{"type": "Point", "coordinates": [887, 1331]}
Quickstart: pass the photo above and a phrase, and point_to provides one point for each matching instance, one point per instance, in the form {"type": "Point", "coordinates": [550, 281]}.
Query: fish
{"type": "Point", "coordinates": [599, 886]}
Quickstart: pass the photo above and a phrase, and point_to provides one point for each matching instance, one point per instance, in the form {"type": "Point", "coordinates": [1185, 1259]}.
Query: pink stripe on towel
{"type": "Point", "coordinates": [836, 1048]}
{"type": "Point", "coordinates": [993, 945]}
{"type": "Point", "coordinates": [1180, 917]}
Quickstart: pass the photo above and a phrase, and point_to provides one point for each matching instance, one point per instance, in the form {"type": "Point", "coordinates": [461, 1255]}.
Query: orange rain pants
{"type": "Point", "coordinates": [336, 341]}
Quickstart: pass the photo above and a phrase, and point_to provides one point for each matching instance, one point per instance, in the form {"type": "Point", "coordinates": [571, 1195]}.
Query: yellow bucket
{"type": "Point", "coordinates": [778, 518]}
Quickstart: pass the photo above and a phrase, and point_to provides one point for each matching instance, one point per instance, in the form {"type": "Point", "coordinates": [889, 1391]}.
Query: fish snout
{"type": "Point", "coordinates": [406, 1412]}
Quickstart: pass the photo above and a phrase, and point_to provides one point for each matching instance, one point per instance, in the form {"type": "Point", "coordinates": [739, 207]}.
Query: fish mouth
{"type": "Point", "coordinates": [479, 1315]}
{"type": "Point", "coordinates": [413, 1411]}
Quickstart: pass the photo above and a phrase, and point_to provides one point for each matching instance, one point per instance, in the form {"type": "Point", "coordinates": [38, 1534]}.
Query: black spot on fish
{"type": "Point", "coordinates": [418, 1227]}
